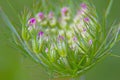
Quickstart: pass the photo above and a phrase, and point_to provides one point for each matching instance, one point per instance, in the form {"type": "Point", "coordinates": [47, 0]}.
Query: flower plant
{"type": "Point", "coordinates": [66, 40]}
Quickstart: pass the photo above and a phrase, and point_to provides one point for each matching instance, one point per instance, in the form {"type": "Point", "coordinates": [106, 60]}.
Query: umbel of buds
{"type": "Point", "coordinates": [65, 45]}
{"type": "Point", "coordinates": [69, 44]}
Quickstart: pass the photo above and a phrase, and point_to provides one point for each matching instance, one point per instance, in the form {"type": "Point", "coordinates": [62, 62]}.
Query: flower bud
{"type": "Point", "coordinates": [35, 46]}
{"type": "Point", "coordinates": [74, 39]}
{"type": "Point", "coordinates": [51, 19]}
{"type": "Point", "coordinates": [83, 6]}
{"type": "Point", "coordinates": [60, 38]}
{"type": "Point", "coordinates": [86, 20]}
{"type": "Point", "coordinates": [40, 16]}
{"type": "Point", "coordinates": [25, 34]}
{"type": "Point", "coordinates": [52, 22]}
{"type": "Point", "coordinates": [41, 33]}
{"type": "Point", "coordinates": [69, 34]}
{"type": "Point", "coordinates": [62, 49]}
{"type": "Point", "coordinates": [41, 19]}
{"type": "Point", "coordinates": [50, 15]}
{"type": "Point", "coordinates": [63, 24]}
{"type": "Point", "coordinates": [32, 22]}
{"type": "Point", "coordinates": [65, 12]}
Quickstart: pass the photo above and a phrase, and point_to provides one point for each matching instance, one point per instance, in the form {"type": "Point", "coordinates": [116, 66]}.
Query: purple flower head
{"type": "Point", "coordinates": [74, 38]}
{"type": "Point", "coordinates": [90, 41]}
{"type": "Point", "coordinates": [41, 15]}
{"type": "Point", "coordinates": [32, 21]}
{"type": "Point", "coordinates": [46, 50]}
{"type": "Point", "coordinates": [50, 15]}
{"type": "Point", "coordinates": [41, 33]}
{"type": "Point", "coordinates": [60, 38]}
{"type": "Point", "coordinates": [83, 6]}
{"type": "Point", "coordinates": [86, 19]}
{"type": "Point", "coordinates": [64, 11]}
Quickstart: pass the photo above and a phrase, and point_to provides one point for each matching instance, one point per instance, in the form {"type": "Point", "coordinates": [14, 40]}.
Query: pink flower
{"type": "Point", "coordinates": [86, 19]}
{"type": "Point", "coordinates": [64, 11]}
{"type": "Point", "coordinates": [32, 21]}
{"type": "Point", "coordinates": [83, 6]}
{"type": "Point", "coordinates": [41, 33]}
{"type": "Point", "coordinates": [41, 15]}
{"type": "Point", "coordinates": [74, 38]}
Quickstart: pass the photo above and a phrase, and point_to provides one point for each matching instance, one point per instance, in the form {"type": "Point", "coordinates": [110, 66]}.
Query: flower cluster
{"type": "Point", "coordinates": [68, 44]}
{"type": "Point", "coordinates": [47, 27]}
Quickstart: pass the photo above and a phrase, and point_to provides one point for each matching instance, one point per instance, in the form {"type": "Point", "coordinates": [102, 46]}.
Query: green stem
{"type": "Point", "coordinates": [108, 8]}
{"type": "Point", "coordinates": [107, 12]}
{"type": "Point", "coordinates": [114, 55]}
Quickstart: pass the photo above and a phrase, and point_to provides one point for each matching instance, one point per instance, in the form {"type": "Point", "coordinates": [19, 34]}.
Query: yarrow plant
{"type": "Point", "coordinates": [67, 44]}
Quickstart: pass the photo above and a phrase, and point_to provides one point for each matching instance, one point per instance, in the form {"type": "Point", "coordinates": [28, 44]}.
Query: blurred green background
{"type": "Point", "coordinates": [15, 66]}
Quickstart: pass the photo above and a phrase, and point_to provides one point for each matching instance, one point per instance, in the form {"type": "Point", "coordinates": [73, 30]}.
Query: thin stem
{"type": "Point", "coordinates": [108, 8]}
{"type": "Point", "coordinates": [114, 55]}
{"type": "Point", "coordinates": [106, 16]}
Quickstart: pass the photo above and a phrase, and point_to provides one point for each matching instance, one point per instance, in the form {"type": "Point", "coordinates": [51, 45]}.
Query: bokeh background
{"type": "Point", "coordinates": [15, 66]}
